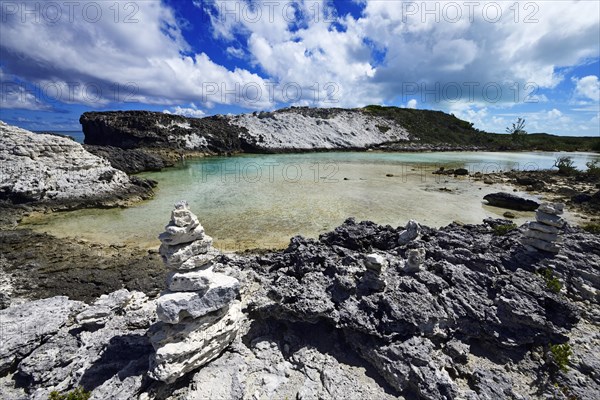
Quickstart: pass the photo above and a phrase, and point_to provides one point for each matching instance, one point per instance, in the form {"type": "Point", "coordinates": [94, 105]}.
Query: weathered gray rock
{"type": "Point", "coordinates": [415, 259]}
{"type": "Point", "coordinates": [192, 343]}
{"type": "Point", "coordinates": [549, 219]}
{"type": "Point", "coordinates": [411, 232]}
{"type": "Point", "coordinates": [49, 169]}
{"type": "Point", "coordinates": [510, 201]}
{"type": "Point", "coordinates": [199, 281]}
{"type": "Point", "coordinates": [536, 226]}
{"type": "Point", "coordinates": [174, 256]}
{"type": "Point", "coordinates": [552, 208]}
{"type": "Point", "coordinates": [376, 262]}
{"type": "Point", "coordinates": [541, 244]}
{"type": "Point", "coordinates": [200, 261]}
{"type": "Point", "coordinates": [26, 326]}
{"type": "Point", "coordinates": [547, 237]}
{"type": "Point", "coordinates": [171, 307]}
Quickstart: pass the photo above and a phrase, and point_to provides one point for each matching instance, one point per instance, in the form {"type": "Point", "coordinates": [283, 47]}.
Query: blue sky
{"type": "Point", "coordinates": [486, 62]}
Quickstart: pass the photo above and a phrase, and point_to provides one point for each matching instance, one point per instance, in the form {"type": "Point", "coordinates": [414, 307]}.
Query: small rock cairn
{"type": "Point", "coordinates": [199, 315]}
{"type": "Point", "coordinates": [543, 234]}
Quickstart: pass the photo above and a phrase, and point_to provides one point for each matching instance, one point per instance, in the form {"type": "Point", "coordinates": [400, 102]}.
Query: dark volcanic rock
{"type": "Point", "coordinates": [135, 129]}
{"type": "Point", "coordinates": [473, 286]}
{"type": "Point", "coordinates": [474, 322]}
{"type": "Point", "coordinates": [131, 161]}
{"type": "Point", "coordinates": [507, 200]}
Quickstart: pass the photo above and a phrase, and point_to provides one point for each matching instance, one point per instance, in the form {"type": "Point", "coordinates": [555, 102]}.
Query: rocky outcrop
{"type": "Point", "coordinates": [155, 130]}
{"type": "Point", "coordinates": [543, 234]}
{"type": "Point", "coordinates": [304, 129]}
{"type": "Point", "coordinates": [283, 130]}
{"type": "Point", "coordinates": [365, 312]}
{"type": "Point", "coordinates": [510, 201]}
{"type": "Point", "coordinates": [198, 314]}
{"type": "Point", "coordinates": [58, 172]}
{"type": "Point", "coordinates": [130, 161]}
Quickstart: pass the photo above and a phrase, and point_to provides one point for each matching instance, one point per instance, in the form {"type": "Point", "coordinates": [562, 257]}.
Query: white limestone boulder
{"type": "Point", "coordinates": [415, 258]}
{"type": "Point", "coordinates": [171, 307]}
{"type": "Point", "coordinates": [549, 219]}
{"type": "Point", "coordinates": [536, 226]}
{"type": "Point", "coordinates": [552, 208]}
{"type": "Point", "coordinates": [198, 281]}
{"type": "Point", "coordinates": [189, 345]}
{"type": "Point", "coordinates": [410, 233]}
{"type": "Point", "coordinates": [201, 261]}
{"type": "Point", "coordinates": [547, 237]}
{"type": "Point", "coordinates": [174, 256]}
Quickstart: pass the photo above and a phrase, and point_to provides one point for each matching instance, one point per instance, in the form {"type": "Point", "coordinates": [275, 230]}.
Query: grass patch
{"type": "Point", "coordinates": [561, 353]}
{"type": "Point", "coordinates": [502, 230]}
{"type": "Point", "coordinates": [77, 394]}
{"type": "Point", "coordinates": [592, 227]}
{"type": "Point", "coordinates": [552, 282]}
{"type": "Point", "coordinates": [437, 127]}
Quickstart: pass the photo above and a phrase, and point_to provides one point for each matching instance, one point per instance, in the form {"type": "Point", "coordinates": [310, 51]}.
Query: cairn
{"type": "Point", "coordinates": [543, 234]}
{"type": "Point", "coordinates": [198, 312]}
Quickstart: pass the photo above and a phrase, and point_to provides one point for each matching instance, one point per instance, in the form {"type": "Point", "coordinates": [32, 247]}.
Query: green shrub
{"type": "Point", "coordinates": [552, 282]}
{"type": "Point", "coordinates": [561, 353]}
{"type": "Point", "coordinates": [501, 230]}
{"type": "Point", "coordinates": [565, 165]}
{"type": "Point", "coordinates": [592, 228]}
{"type": "Point", "coordinates": [77, 394]}
{"type": "Point", "coordinates": [593, 168]}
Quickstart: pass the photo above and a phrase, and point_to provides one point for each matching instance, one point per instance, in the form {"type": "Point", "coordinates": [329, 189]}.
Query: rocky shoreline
{"type": "Point", "coordinates": [365, 311]}
{"type": "Point", "coordinates": [42, 172]}
{"type": "Point", "coordinates": [460, 312]}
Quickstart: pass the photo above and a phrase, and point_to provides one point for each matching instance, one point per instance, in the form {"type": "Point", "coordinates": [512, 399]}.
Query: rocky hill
{"type": "Point", "coordinates": [290, 129]}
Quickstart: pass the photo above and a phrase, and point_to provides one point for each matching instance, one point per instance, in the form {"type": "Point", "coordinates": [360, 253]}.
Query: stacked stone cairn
{"type": "Point", "coordinates": [543, 234]}
{"type": "Point", "coordinates": [198, 313]}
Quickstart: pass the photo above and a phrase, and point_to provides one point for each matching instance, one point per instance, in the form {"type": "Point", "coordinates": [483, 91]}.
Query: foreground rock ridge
{"type": "Point", "coordinates": [198, 313]}
{"type": "Point", "coordinates": [363, 312]}
{"type": "Point", "coordinates": [57, 171]}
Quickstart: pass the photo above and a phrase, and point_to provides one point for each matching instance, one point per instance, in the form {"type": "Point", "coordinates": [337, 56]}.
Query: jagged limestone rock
{"type": "Point", "coordinates": [174, 256]}
{"type": "Point", "coordinates": [192, 343]}
{"type": "Point", "coordinates": [172, 306]}
{"type": "Point", "coordinates": [411, 232]}
{"type": "Point", "coordinates": [376, 262]}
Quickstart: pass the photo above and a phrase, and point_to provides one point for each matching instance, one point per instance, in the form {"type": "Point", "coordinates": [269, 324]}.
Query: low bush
{"type": "Point", "coordinates": [593, 168]}
{"type": "Point", "coordinates": [592, 228]}
{"type": "Point", "coordinates": [565, 165]}
{"type": "Point", "coordinates": [552, 282]}
{"type": "Point", "coordinates": [501, 230]}
{"type": "Point", "coordinates": [561, 353]}
{"type": "Point", "coordinates": [77, 394]}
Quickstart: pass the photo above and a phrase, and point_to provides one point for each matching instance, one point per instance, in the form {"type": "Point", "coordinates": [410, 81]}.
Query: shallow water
{"type": "Point", "coordinates": [260, 201]}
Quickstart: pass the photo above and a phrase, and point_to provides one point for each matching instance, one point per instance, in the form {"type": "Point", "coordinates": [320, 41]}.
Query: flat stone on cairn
{"type": "Point", "coordinates": [543, 234]}
{"type": "Point", "coordinates": [198, 312]}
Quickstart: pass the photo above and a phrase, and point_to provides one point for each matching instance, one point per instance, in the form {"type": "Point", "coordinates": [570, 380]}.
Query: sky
{"type": "Point", "coordinates": [488, 62]}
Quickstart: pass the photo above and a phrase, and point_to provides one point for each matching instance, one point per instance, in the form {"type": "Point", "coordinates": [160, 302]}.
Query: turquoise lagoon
{"type": "Point", "coordinates": [260, 201]}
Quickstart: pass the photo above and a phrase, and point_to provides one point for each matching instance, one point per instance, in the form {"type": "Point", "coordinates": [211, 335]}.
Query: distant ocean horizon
{"type": "Point", "coordinates": [77, 135]}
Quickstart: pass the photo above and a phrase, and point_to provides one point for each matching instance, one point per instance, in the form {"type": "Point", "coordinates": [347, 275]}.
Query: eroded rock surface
{"type": "Point", "coordinates": [342, 317]}
{"type": "Point", "coordinates": [56, 171]}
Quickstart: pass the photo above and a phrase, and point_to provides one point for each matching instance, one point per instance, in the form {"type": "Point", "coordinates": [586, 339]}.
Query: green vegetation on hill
{"type": "Point", "coordinates": [433, 126]}
{"type": "Point", "coordinates": [438, 127]}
